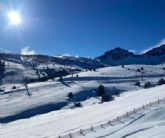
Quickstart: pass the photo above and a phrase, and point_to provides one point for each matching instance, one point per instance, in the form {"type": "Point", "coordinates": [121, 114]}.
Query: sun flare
{"type": "Point", "coordinates": [14, 18]}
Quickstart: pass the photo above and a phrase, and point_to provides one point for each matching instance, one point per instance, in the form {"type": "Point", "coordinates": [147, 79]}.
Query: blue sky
{"type": "Point", "coordinates": [82, 27]}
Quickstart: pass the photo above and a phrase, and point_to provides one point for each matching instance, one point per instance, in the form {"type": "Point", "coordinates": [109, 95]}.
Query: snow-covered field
{"type": "Point", "coordinates": [57, 122]}
{"type": "Point", "coordinates": [149, 123]}
{"type": "Point", "coordinates": [17, 109]}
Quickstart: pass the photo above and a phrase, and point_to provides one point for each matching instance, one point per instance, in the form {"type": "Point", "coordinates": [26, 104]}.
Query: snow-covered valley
{"type": "Point", "coordinates": [48, 112]}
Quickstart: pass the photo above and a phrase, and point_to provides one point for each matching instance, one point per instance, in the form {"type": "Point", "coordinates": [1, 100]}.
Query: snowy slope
{"type": "Point", "coordinates": [148, 123]}
{"type": "Point", "coordinates": [57, 122]}
{"type": "Point", "coordinates": [37, 68]}
{"type": "Point", "coordinates": [51, 95]}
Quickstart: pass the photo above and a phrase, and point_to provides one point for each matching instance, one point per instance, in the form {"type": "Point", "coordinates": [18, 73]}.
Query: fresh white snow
{"type": "Point", "coordinates": [54, 123]}
{"type": "Point", "coordinates": [54, 93]}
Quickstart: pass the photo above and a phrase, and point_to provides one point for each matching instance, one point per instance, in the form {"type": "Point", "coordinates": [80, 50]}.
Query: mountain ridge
{"type": "Point", "coordinates": [116, 56]}
{"type": "Point", "coordinates": [119, 56]}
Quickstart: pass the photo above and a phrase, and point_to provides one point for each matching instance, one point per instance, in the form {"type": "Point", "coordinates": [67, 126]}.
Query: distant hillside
{"type": "Point", "coordinates": [119, 56]}
{"type": "Point", "coordinates": [15, 68]}
{"type": "Point", "coordinates": [156, 51]}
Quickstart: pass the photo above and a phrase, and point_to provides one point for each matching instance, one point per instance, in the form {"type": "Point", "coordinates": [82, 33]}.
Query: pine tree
{"type": "Point", "coordinates": [101, 90]}
{"type": "Point", "coordinates": [70, 95]}
{"type": "Point", "coordinates": [61, 78]}
{"type": "Point", "coordinates": [161, 81]}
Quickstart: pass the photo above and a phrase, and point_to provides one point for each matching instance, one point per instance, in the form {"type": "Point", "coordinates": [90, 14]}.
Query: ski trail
{"type": "Point", "coordinates": [142, 115]}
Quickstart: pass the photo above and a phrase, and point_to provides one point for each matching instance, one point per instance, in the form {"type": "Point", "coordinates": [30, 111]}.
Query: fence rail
{"type": "Point", "coordinates": [93, 128]}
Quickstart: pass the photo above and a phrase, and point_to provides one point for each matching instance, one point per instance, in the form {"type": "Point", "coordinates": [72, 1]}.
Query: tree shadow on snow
{"type": "Point", "coordinates": [34, 111]}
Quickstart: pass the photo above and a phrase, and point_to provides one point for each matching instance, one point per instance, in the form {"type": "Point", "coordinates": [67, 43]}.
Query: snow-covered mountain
{"type": "Point", "coordinates": [119, 56]}
{"type": "Point", "coordinates": [79, 62]}
{"type": "Point", "coordinates": [15, 67]}
{"type": "Point", "coordinates": [158, 51]}
{"type": "Point", "coordinates": [41, 67]}
{"type": "Point", "coordinates": [116, 54]}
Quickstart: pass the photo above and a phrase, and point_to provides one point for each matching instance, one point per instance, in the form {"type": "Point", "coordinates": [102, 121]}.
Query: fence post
{"type": "Point", "coordinates": [134, 110]}
{"type": "Point", "coordinates": [158, 101]}
{"type": "Point", "coordinates": [143, 107]}
{"type": "Point", "coordinates": [70, 135]}
{"type": "Point", "coordinates": [81, 132]}
{"type": "Point", "coordinates": [59, 136]}
{"type": "Point", "coordinates": [117, 118]}
{"type": "Point", "coordinates": [150, 104]}
{"type": "Point", "coordinates": [92, 128]}
{"type": "Point", "coordinates": [109, 122]}
{"type": "Point", "coordinates": [127, 114]}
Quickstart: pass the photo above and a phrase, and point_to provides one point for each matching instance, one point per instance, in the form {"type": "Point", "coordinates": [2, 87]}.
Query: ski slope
{"type": "Point", "coordinates": [149, 123]}
{"type": "Point", "coordinates": [57, 122]}
{"type": "Point", "coordinates": [35, 116]}
{"type": "Point", "coordinates": [51, 95]}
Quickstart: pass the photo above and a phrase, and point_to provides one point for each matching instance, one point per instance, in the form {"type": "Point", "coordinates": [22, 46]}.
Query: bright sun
{"type": "Point", "coordinates": [14, 18]}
